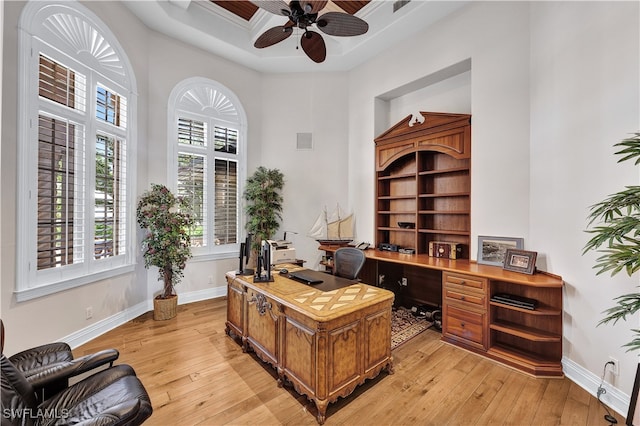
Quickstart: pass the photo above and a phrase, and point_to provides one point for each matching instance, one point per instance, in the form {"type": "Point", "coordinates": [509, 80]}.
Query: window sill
{"type": "Point", "coordinates": [213, 256]}
{"type": "Point", "coordinates": [47, 289]}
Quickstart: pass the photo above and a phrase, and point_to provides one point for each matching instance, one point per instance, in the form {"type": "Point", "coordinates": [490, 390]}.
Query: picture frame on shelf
{"type": "Point", "coordinates": [522, 261]}
{"type": "Point", "coordinates": [492, 250]}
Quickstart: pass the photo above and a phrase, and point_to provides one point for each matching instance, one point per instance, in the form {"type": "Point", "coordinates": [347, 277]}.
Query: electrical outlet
{"type": "Point", "coordinates": [615, 368]}
{"type": "Point", "coordinates": [404, 282]}
{"type": "Point", "coordinates": [89, 312]}
{"type": "Point", "coordinates": [210, 279]}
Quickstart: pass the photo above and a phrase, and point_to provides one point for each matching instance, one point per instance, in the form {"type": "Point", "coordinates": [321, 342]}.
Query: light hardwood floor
{"type": "Point", "coordinates": [197, 375]}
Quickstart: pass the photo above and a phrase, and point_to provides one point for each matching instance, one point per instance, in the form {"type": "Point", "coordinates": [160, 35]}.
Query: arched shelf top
{"type": "Point", "coordinates": [427, 131]}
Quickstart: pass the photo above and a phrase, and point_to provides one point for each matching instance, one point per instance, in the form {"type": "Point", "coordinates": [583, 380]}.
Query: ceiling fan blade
{"type": "Point", "coordinates": [313, 6]}
{"type": "Point", "coordinates": [278, 7]}
{"type": "Point", "coordinates": [313, 45]}
{"type": "Point", "coordinates": [273, 35]}
{"type": "Point", "coordinates": [341, 24]}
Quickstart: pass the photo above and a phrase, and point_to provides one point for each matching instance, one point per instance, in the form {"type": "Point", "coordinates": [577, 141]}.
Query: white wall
{"type": "Point", "coordinates": [550, 94]}
{"type": "Point", "coordinates": [306, 103]}
{"type": "Point", "coordinates": [585, 97]}
{"type": "Point", "coordinates": [452, 95]}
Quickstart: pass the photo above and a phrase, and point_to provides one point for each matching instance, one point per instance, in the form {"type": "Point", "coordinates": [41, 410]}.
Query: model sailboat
{"type": "Point", "coordinates": [334, 229]}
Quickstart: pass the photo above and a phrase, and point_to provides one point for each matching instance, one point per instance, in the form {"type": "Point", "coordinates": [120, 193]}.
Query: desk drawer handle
{"type": "Point", "coordinates": [463, 298]}
{"type": "Point", "coordinates": [463, 282]}
{"type": "Point", "coordinates": [462, 324]}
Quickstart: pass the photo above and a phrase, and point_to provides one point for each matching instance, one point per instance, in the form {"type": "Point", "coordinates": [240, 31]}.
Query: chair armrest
{"type": "Point", "coordinates": [41, 356]}
{"type": "Point", "coordinates": [65, 370]}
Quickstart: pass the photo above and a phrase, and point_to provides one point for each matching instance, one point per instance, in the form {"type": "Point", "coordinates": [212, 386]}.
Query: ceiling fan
{"type": "Point", "coordinates": [303, 14]}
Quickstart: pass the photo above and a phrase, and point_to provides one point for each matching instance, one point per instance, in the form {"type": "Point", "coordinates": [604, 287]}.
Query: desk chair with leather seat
{"type": "Point", "coordinates": [347, 262]}
{"type": "Point", "coordinates": [48, 367]}
{"type": "Point", "coordinates": [114, 396]}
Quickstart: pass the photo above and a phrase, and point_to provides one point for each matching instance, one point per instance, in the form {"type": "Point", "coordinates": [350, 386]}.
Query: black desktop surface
{"type": "Point", "coordinates": [320, 280]}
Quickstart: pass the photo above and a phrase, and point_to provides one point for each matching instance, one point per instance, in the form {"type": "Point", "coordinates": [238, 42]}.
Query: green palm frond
{"type": "Point", "coordinates": [617, 238]}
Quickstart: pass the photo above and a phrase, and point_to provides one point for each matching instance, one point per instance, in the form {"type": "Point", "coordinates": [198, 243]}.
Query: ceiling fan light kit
{"type": "Point", "coordinates": [303, 15]}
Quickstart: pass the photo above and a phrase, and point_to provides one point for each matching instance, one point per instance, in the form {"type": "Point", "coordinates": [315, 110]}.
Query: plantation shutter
{"type": "Point", "coordinates": [191, 132]}
{"type": "Point", "coordinates": [109, 208]}
{"type": "Point", "coordinates": [56, 176]}
{"type": "Point", "coordinates": [191, 186]}
{"type": "Point", "coordinates": [226, 140]}
{"type": "Point", "coordinates": [226, 201]}
{"type": "Point", "coordinates": [59, 186]}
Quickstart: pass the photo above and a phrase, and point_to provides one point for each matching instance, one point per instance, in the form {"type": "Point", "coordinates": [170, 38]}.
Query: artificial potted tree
{"type": "Point", "coordinates": [166, 244]}
{"type": "Point", "coordinates": [264, 204]}
{"type": "Point", "coordinates": [618, 233]}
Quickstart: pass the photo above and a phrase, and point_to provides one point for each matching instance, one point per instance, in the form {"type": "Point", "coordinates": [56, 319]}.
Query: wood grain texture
{"type": "Point", "coordinates": [197, 375]}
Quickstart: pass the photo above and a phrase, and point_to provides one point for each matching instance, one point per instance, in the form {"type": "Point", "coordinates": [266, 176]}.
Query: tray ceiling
{"type": "Point", "coordinates": [229, 29]}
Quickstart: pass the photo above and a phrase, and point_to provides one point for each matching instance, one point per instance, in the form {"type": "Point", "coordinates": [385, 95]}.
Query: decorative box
{"type": "Point", "coordinates": [445, 249]}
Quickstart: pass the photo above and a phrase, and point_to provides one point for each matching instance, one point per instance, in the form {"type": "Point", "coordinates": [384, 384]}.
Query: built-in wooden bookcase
{"type": "Point", "coordinates": [530, 339]}
{"type": "Point", "coordinates": [424, 182]}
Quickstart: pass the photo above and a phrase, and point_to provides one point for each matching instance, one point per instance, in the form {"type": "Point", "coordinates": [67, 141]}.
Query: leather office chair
{"type": "Point", "coordinates": [48, 367]}
{"type": "Point", "coordinates": [114, 396]}
{"type": "Point", "coordinates": [347, 262]}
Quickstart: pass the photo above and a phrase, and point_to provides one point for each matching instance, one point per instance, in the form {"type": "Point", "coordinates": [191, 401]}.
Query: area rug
{"type": "Point", "coordinates": [405, 326]}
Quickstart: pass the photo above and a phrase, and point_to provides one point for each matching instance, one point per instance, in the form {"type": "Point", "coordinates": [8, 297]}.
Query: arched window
{"type": "Point", "coordinates": [207, 162]}
{"type": "Point", "coordinates": [76, 135]}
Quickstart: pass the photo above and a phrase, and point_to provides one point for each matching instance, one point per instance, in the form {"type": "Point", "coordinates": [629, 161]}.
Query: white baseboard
{"type": "Point", "coordinates": [614, 398]}
{"type": "Point", "coordinates": [98, 328]}
{"type": "Point", "coordinates": [197, 296]}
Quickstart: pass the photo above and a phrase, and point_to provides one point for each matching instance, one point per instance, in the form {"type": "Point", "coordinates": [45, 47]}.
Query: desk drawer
{"type": "Point", "coordinates": [454, 294]}
{"type": "Point", "coordinates": [466, 281]}
{"type": "Point", "coordinates": [464, 324]}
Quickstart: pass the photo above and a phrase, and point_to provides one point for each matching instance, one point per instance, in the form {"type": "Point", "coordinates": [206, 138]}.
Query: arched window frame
{"type": "Point", "coordinates": [71, 35]}
{"type": "Point", "coordinates": [205, 100]}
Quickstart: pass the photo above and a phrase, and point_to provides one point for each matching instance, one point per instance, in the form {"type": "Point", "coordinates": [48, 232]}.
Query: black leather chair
{"type": "Point", "coordinates": [49, 367]}
{"type": "Point", "coordinates": [347, 262]}
{"type": "Point", "coordinates": [114, 396]}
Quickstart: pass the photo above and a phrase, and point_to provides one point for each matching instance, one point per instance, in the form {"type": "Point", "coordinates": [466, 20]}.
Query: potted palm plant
{"type": "Point", "coordinates": [264, 203]}
{"type": "Point", "coordinates": [618, 233]}
{"type": "Point", "coordinates": [166, 244]}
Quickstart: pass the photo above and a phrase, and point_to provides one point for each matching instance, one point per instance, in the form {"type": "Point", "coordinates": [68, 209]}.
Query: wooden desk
{"type": "Point", "coordinates": [325, 343]}
{"type": "Point", "coordinates": [528, 340]}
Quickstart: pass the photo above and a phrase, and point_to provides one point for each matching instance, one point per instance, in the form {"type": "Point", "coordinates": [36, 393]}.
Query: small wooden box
{"type": "Point", "coordinates": [445, 249]}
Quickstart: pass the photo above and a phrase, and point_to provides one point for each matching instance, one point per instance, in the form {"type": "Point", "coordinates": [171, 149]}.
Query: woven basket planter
{"type": "Point", "coordinates": [164, 309]}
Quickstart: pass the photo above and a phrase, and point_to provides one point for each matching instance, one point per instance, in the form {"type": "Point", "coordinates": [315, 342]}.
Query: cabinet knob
{"type": "Point", "coordinates": [462, 324]}
{"type": "Point", "coordinates": [463, 282]}
{"type": "Point", "coordinates": [462, 298]}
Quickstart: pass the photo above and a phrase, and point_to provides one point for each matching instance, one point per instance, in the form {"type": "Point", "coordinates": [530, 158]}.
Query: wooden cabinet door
{"type": "Point", "coordinates": [344, 359]}
{"type": "Point", "coordinates": [262, 326]}
{"type": "Point", "coordinates": [299, 359]}
{"type": "Point", "coordinates": [235, 309]}
{"type": "Point", "coordinates": [377, 340]}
